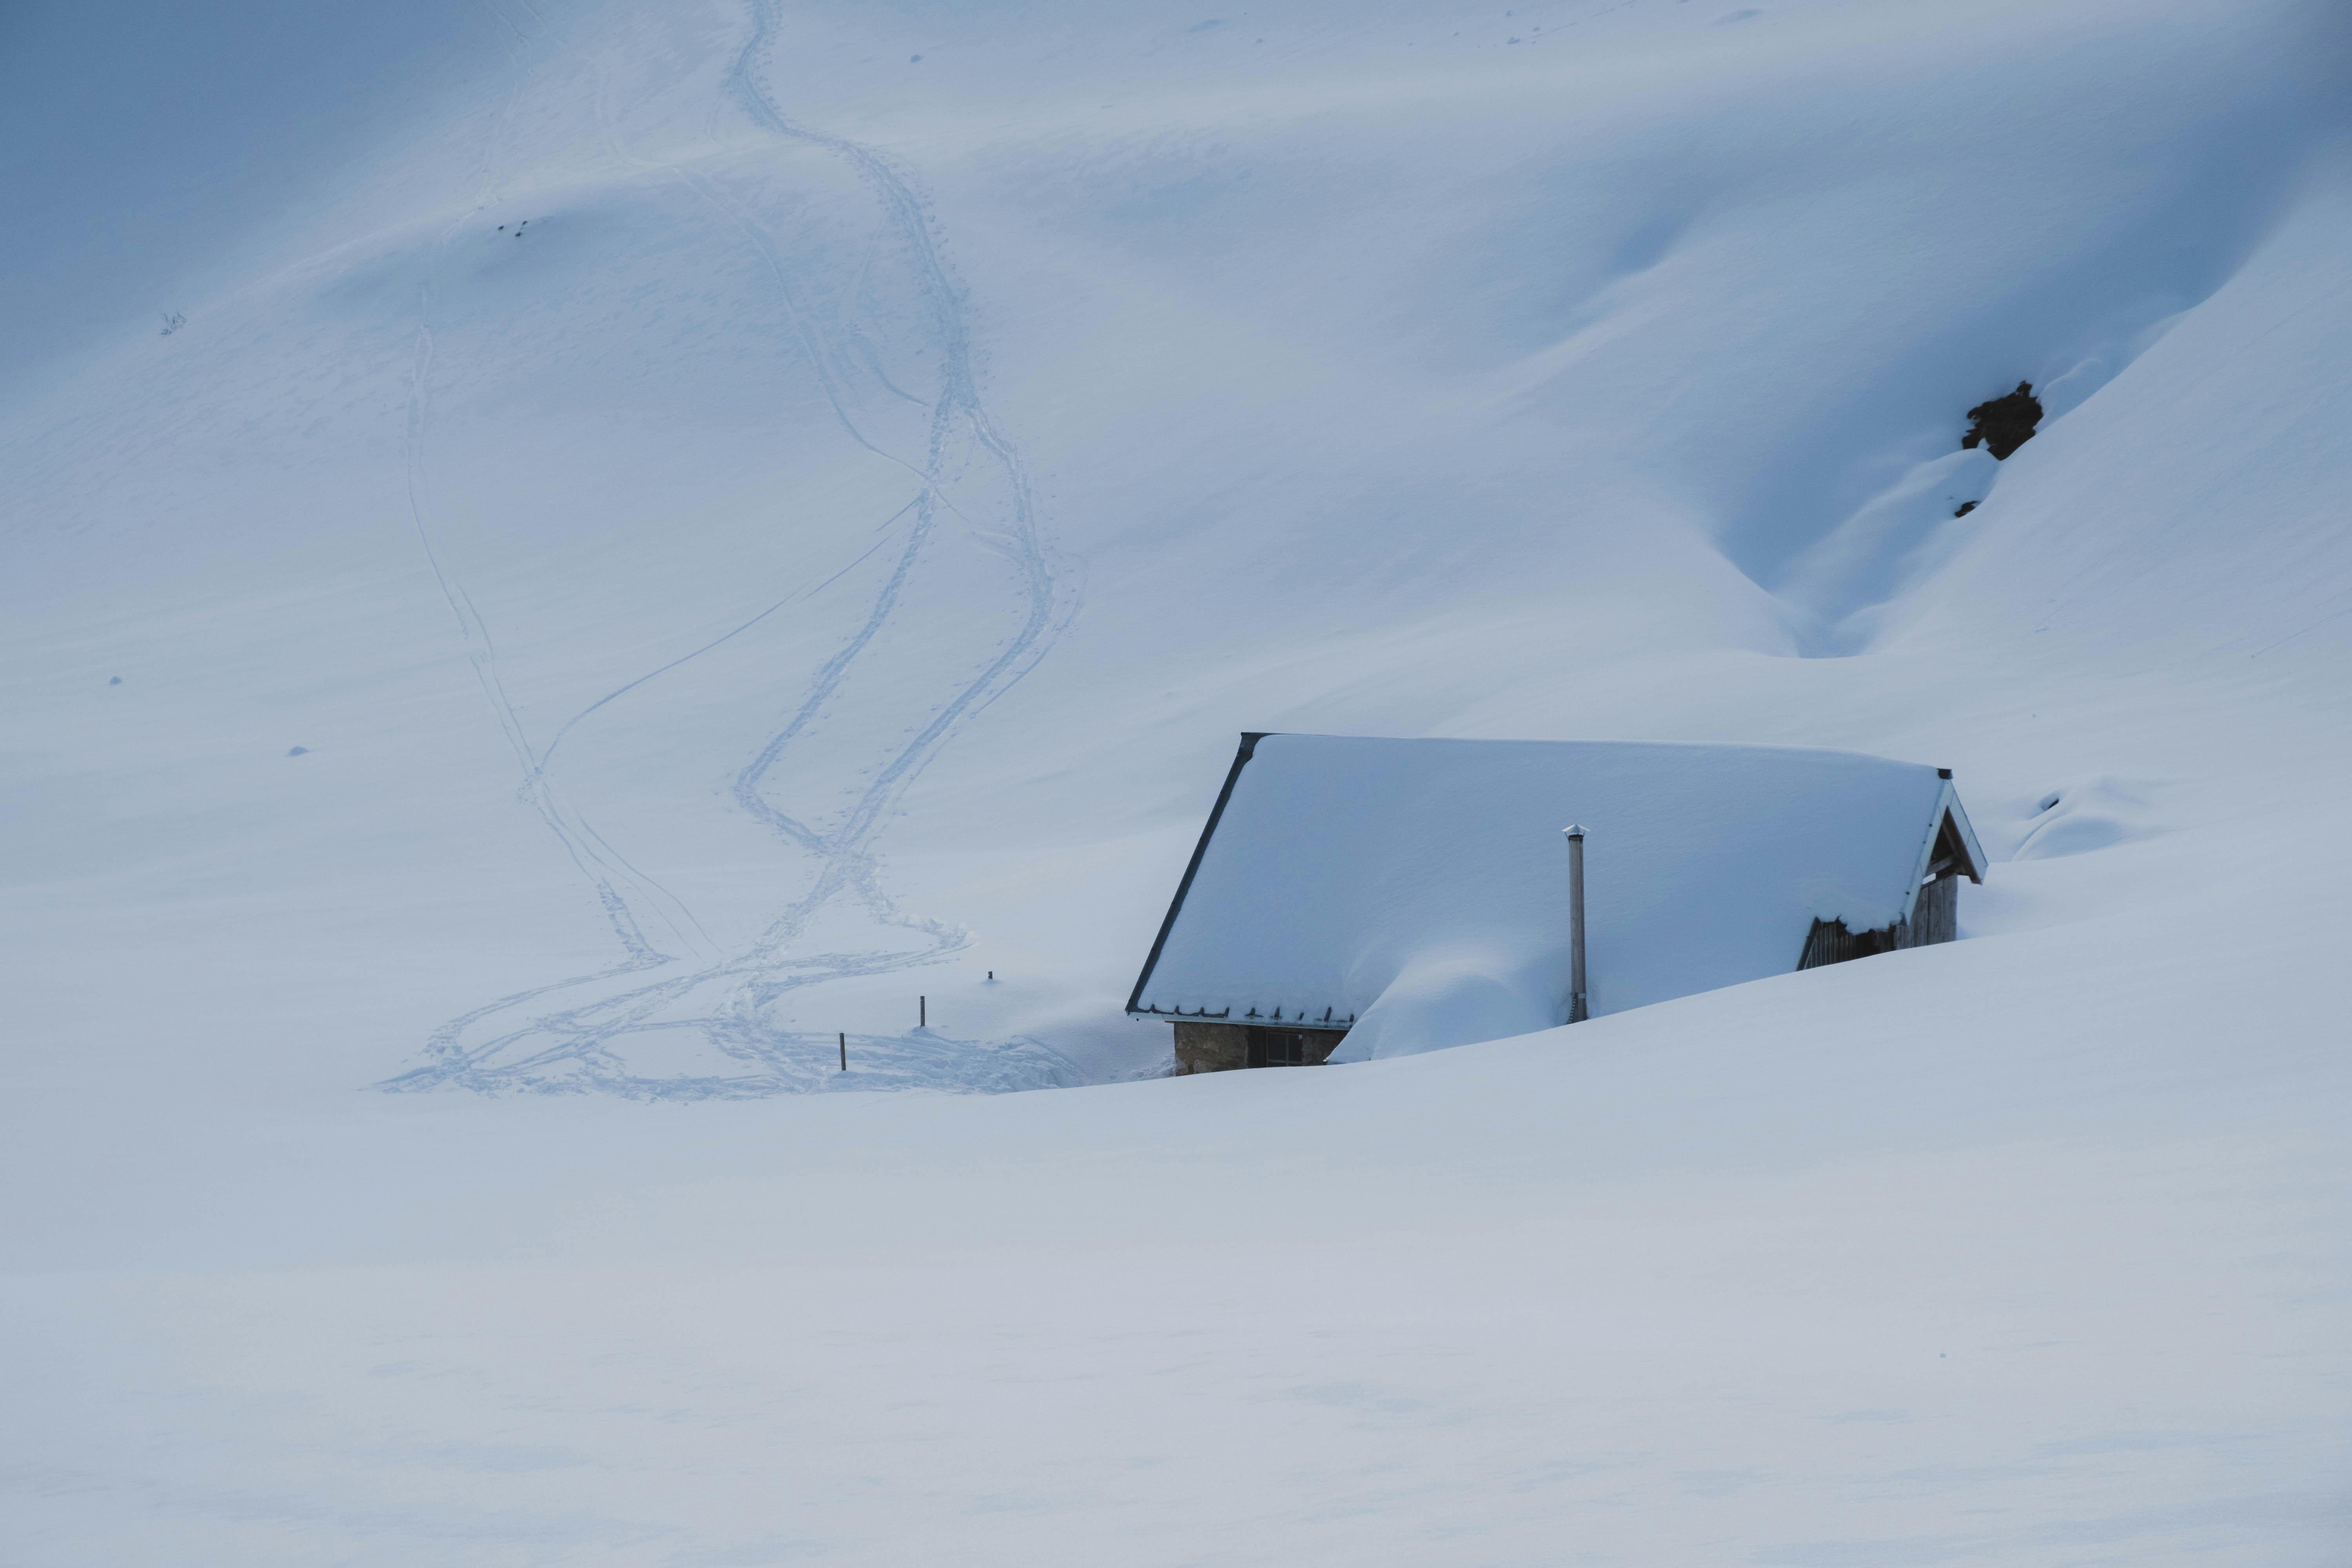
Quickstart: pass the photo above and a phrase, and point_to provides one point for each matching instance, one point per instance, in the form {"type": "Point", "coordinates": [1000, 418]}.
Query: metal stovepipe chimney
{"type": "Point", "coordinates": [1576, 1010]}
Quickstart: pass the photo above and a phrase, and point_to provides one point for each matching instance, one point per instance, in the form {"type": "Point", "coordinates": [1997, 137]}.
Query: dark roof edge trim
{"type": "Point", "coordinates": [1967, 832]}
{"type": "Point", "coordinates": [1948, 813]}
{"type": "Point", "coordinates": [1250, 738]}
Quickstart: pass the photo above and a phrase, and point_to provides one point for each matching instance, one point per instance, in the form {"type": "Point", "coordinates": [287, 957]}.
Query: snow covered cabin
{"type": "Point", "coordinates": [1353, 898]}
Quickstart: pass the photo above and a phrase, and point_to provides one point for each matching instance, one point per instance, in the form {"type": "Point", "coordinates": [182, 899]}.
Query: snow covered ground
{"type": "Point", "coordinates": [664, 533]}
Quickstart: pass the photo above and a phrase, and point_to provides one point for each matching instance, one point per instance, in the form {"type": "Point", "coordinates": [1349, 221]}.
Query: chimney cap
{"type": "Point", "coordinates": [1573, 831]}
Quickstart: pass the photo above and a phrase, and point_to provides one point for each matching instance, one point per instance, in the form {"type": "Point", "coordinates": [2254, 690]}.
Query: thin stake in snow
{"type": "Point", "coordinates": [845, 1051]}
{"type": "Point", "coordinates": [922, 1012]}
{"type": "Point", "coordinates": [1576, 1008]}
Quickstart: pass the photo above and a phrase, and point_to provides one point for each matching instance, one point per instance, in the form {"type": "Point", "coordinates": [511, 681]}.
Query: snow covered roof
{"type": "Point", "coordinates": [1418, 889]}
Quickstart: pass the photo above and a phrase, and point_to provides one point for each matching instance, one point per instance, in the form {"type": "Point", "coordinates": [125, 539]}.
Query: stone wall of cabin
{"type": "Point", "coordinates": [1222, 1047]}
{"type": "Point", "coordinates": [1210, 1047]}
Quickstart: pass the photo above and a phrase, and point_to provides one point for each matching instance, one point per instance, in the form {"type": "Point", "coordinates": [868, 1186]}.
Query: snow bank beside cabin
{"type": "Point", "coordinates": [1420, 886]}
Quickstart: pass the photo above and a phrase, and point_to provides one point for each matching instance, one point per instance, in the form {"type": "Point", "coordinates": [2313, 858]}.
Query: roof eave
{"type": "Point", "coordinates": [1948, 808]}
{"type": "Point", "coordinates": [1250, 738]}
{"type": "Point", "coordinates": [1949, 801]}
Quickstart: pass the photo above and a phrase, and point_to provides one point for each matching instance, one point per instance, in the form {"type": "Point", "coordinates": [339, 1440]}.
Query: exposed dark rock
{"type": "Point", "coordinates": [1966, 507]}
{"type": "Point", "coordinates": [2004, 424]}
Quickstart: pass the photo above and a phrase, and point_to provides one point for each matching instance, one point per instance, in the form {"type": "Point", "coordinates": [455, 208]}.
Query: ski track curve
{"type": "Point", "coordinates": [515, 1042]}
{"type": "Point", "coordinates": [595, 860]}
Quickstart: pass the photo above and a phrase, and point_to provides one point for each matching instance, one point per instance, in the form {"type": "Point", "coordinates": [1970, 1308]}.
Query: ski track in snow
{"type": "Point", "coordinates": [722, 1003]}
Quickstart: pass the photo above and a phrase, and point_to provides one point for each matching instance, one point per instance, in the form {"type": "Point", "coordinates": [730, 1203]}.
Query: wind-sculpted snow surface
{"type": "Point", "coordinates": [585, 605]}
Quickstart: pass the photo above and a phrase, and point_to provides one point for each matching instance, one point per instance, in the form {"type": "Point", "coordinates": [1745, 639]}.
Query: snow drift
{"type": "Point", "coordinates": [670, 531]}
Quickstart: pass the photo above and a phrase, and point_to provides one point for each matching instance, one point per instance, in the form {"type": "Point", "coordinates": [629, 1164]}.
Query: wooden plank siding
{"type": "Point", "coordinates": [1935, 918]}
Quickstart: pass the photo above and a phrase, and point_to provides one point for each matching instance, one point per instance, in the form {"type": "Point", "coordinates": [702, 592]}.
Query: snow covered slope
{"type": "Point", "coordinates": [665, 533]}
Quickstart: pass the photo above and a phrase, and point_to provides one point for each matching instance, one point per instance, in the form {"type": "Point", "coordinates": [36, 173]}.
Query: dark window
{"type": "Point", "coordinates": [1277, 1047]}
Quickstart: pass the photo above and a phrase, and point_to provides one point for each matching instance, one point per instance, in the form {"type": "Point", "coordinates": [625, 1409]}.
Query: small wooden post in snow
{"type": "Point", "coordinates": [922, 1012]}
{"type": "Point", "coordinates": [1576, 1012]}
